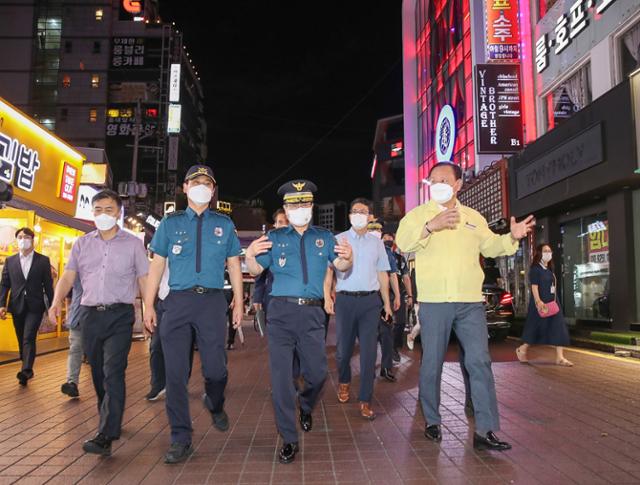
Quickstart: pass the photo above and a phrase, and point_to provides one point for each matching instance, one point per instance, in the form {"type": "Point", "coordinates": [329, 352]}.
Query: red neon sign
{"type": "Point", "coordinates": [68, 183]}
{"type": "Point", "coordinates": [503, 31]}
{"type": "Point", "coordinates": [132, 6]}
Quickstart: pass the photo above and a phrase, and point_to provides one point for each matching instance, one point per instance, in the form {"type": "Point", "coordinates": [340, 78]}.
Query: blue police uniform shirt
{"type": "Point", "coordinates": [369, 258]}
{"type": "Point", "coordinates": [392, 260]}
{"type": "Point", "coordinates": [197, 248]}
{"type": "Point", "coordinates": [299, 263]}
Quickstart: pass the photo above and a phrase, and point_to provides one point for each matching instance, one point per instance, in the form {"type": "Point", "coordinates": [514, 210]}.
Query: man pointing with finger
{"type": "Point", "coordinates": [447, 239]}
{"type": "Point", "coordinates": [198, 242]}
{"type": "Point", "coordinates": [297, 256]}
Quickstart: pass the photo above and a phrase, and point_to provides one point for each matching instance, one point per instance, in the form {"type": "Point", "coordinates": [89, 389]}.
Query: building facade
{"type": "Point", "coordinates": [578, 177]}
{"type": "Point", "coordinates": [111, 75]}
{"type": "Point", "coordinates": [387, 171]}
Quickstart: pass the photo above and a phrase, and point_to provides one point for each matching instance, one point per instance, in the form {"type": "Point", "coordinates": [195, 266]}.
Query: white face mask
{"type": "Point", "coordinates": [441, 192]}
{"type": "Point", "coordinates": [24, 244]}
{"type": "Point", "coordinates": [358, 221]}
{"type": "Point", "coordinates": [200, 194]}
{"type": "Point", "coordinates": [300, 217]}
{"type": "Point", "coordinates": [104, 222]}
{"type": "Point", "coordinates": [377, 234]}
{"type": "Point", "coordinates": [546, 257]}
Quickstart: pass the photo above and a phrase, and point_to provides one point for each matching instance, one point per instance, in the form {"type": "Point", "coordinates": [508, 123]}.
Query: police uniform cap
{"type": "Point", "coordinates": [297, 191]}
{"type": "Point", "coordinates": [197, 171]}
{"type": "Point", "coordinates": [375, 225]}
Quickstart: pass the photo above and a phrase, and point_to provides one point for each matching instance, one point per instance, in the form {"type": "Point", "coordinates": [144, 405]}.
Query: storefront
{"type": "Point", "coordinates": [579, 182]}
{"type": "Point", "coordinates": [44, 173]}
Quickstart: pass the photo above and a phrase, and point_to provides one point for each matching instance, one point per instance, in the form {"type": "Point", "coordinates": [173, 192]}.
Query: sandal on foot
{"type": "Point", "coordinates": [522, 356]}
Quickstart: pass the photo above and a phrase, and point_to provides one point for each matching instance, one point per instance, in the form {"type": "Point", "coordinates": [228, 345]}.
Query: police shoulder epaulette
{"type": "Point", "coordinates": [218, 213]}
{"type": "Point", "coordinates": [322, 229]}
{"type": "Point", "coordinates": [173, 214]}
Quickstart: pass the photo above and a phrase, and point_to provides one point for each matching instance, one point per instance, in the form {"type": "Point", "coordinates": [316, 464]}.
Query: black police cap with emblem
{"type": "Point", "coordinates": [297, 191]}
{"type": "Point", "coordinates": [197, 170]}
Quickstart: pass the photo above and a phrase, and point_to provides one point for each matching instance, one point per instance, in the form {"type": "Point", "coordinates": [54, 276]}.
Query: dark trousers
{"type": "Point", "coordinates": [185, 313]}
{"type": "Point", "coordinates": [156, 356]}
{"type": "Point", "coordinates": [385, 337]}
{"type": "Point", "coordinates": [26, 326]}
{"type": "Point", "coordinates": [300, 329]}
{"type": "Point", "coordinates": [106, 339]}
{"type": "Point", "coordinates": [398, 325]}
{"type": "Point", "coordinates": [358, 317]}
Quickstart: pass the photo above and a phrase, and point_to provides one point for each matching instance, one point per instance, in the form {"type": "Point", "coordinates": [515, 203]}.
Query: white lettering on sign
{"type": "Point", "coordinates": [174, 84]}
{"type": "Point", "coordinates": [568, 26]}
{"type": "Point", "coordinates": [19, 160]}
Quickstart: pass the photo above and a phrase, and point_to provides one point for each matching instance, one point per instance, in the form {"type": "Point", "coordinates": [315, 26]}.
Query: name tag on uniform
{"type": "Point", "coordinates": [176, 249]}
{"type": "Point", "coordinates": [553, 289]}
{"type": "Point", "coordinates": [469, 226]}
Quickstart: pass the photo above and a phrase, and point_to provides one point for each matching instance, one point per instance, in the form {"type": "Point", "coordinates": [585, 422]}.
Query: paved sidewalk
{"type": "Point", "coordinates": [578, 425]}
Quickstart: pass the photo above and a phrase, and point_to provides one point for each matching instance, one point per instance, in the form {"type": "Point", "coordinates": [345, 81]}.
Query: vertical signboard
{"type": "Point", "coordinates": [174, 84]}
{"type": "Point", "coordinates": [503, 33]}
{"type": "Point", "coordinates": [173, 121]}
{"type": "Point", "coordinates": [498, 108]}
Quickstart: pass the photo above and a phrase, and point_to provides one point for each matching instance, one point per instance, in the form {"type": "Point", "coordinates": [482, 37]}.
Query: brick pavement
{"type": "Point", "coordinates": [579, 425]}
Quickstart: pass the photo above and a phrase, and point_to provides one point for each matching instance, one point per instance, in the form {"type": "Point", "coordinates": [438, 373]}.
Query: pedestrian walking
{"type": "Point", "coordinates": [362, 293]}
{"type": "Point", "coordinates": [112, 264]}
{"type": "Point", "coordinates": [545, 324]}
{"type": "Point", "coordinates": [74, 359]}
{"type": "Point", "coordinates": [297, 256]}
{"type": "Point", "coordinates": [385, 326]}
{"type": "Point", "coordinates": [447, 239]}
{"type": "Point", "coordinates": [197, 243]}
{"type": "Point", "coordinates": [28, 284]}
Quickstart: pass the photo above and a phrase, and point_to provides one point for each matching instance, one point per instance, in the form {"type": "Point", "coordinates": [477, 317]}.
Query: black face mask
{"type": "Point", "coordinates": [389, 244]}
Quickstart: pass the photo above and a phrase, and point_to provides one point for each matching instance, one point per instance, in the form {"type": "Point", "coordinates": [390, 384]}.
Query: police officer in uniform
{"type": "Point", "coordinates": [198, 242]}
{"type": "Point", "coordinates": [297, 256]}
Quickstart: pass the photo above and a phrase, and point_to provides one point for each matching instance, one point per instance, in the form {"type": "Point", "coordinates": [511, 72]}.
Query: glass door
{"type": "Point", "coordinates": [585, 268]}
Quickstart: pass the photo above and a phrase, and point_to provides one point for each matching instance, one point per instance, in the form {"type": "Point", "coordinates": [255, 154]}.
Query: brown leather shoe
{"type": "Point", "coordinates": [343, 393]}
{"type": "Point", "coordinates": [366, 412]}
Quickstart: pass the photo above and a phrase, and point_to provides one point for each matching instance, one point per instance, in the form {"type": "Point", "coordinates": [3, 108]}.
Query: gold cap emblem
{"type": "Point", "coordinates": [299, 186]}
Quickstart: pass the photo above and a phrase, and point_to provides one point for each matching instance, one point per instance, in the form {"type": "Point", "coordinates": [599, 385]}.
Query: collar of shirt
{"type": "Point", "coordinates": [191, 213]}
{"type": "Point", "coordinates": [119, 233]}
{"type": "Point", "coordinates": [289, 229]}
{"type": "Point", "coordinates": [27, 257]}
{"type": "Point", "coordinates": [443, 208]}
{"type": "Point", "coordinates": [354, 234]}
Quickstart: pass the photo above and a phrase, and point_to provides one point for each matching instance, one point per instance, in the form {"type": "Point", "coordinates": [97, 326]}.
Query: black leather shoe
{"type": "Point", "coordinates": [23, 378]}
{"type": "Point", "coordinates": [433, 432]}
{"type": "Point", "coordinates": [177, 453]}
{"type": "Point", "coordinates": [489, 442]}
{"type": "Point", "coordinates": [306, 421]}
{"type": "Point", "coordinates": [70, 389]}
{"type": "Point", "coordinates": [100, 445]}
{"type": "Point", "coordinates": [386, 373]}
{"type": "Point", "coordinates": [469, 412]}
{"type": "Point", "coordinates": [288, 452]}
{"type": "Point", "coordinates": [220, 421]}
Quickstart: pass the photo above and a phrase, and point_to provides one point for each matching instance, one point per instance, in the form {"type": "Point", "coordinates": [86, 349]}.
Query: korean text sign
{"type": "Point", "coordinates": [37, 163]}
{"type": "Point", "coordinates": [503, 33]}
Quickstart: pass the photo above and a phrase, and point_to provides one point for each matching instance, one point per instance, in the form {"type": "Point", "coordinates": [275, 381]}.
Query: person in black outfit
{"type": "Point", "coordinates": [492, 276]}
{"type": "Point", "coordinates": [540, 330]}
{"type": "Point", "coordinates": [27, 275]}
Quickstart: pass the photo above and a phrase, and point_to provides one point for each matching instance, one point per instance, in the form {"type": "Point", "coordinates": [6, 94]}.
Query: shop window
{"type": "Point", "coordinates": [97, 47]}
{"type": "Point", "coordinates": [630, 50]}
{"type": "Point", "coordinates": [568, 98]}
{"type": "Point", "coordinates": [99, 14]}
{"type": "Point", "coordinates": [66, 81]}
{"type": "Point", "coordinates": [93, 115]}
{"type": "Point", "coordinates": [585, 262]}
{"type": "Point", "coordinates": [95, 81]}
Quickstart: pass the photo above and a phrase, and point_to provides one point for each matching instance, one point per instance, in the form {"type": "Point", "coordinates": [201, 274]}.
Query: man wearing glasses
{"type": "Point", "coordinates": [362, 293]}
{"type": "Point", "coordinates": [297, 256]}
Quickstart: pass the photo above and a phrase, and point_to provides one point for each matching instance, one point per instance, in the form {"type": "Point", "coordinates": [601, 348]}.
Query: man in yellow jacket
{"type": "Point", "coordinates": [447, 239]}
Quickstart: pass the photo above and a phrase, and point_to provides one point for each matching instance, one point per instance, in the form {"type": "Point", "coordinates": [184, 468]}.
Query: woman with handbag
{"type": "Point", "coordinates": [545, 324]}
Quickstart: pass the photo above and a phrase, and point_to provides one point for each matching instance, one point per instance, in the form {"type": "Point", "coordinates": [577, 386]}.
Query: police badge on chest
{"type": "Point", "coordinates": [282, 261]}
{"type": "Point", "coordinates": [176, 249]}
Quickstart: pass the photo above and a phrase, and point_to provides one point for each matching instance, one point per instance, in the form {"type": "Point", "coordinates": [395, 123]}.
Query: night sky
{"type": "Point", "coordinates": [278, 76]}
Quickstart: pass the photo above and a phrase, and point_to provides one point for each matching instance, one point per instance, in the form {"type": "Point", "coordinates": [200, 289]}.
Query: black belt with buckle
{"type": "Point", "coordinates": [113, 306]}
{"type": "Point", "coordinates": [301, 301]}
{"type": "Point", "coordinates": [201, 290]}
{"type": "Point", "coordinates": [357, 293]}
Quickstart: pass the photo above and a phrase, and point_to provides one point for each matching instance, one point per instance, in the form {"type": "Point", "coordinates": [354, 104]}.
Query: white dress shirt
{"type": "Point", "coordinates": [25, 263]}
